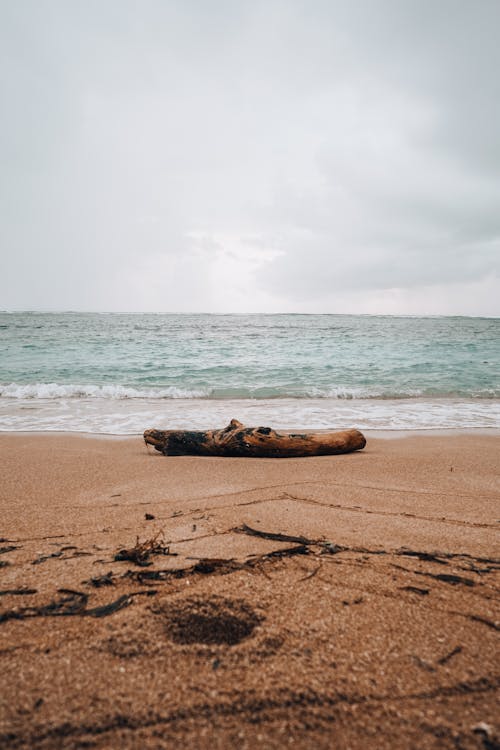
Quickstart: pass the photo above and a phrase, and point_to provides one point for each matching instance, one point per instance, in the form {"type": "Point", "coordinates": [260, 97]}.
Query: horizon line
{"type": "Point", "coordinates": [241, 314]}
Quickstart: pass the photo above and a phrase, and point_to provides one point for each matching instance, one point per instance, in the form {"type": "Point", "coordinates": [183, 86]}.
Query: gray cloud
{"type": "Point", "coordinates": [250, 156]}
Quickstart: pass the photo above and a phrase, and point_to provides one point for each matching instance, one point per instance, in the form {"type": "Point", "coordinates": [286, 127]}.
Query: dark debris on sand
{"type": "Point", "coordinates": [141, 552]}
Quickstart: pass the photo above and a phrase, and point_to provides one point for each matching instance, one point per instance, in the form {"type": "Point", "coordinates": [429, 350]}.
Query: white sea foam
{"type": "Point", "coordinates": [119, 392]}
{"type": "Point", "coordinates": [57, 391]}
{"type": "Point", "coordinates": [132, 416]}
{"type": "Point", "coordinates": [112, 392]}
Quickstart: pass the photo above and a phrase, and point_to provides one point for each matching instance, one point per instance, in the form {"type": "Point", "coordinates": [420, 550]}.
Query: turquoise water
{"type": "Point", "coordinates": [57, 368]}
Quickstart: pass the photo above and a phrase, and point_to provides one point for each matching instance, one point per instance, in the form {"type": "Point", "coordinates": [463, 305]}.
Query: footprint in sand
{"type": "Point", "coordinates": [212, 620]}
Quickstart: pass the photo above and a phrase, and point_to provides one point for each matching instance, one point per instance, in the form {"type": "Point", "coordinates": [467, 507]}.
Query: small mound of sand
{"type": "Point", "coordinates": [212, 620]}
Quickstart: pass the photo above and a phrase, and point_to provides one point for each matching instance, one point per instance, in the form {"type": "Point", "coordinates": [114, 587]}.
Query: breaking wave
{"type": "Point", "coordinates": [58, 391]}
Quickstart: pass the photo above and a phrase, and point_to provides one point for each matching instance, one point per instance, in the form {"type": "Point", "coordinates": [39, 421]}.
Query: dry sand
{"type": "Point", "coordinates": [379, 629]}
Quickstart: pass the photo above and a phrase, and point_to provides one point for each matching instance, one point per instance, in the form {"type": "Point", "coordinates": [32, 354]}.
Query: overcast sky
{"type": "Point", "coordinates": [276, 156]}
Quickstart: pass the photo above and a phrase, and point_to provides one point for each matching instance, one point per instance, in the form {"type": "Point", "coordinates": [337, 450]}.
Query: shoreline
{"type": "Point", "coordinates": [383, 434]}
{"type": "Point", "coordinates": [132, 416]}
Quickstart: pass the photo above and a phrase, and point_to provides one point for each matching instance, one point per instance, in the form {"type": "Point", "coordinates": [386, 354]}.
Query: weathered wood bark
{"type": "Point", "coordinates": [260, 442]}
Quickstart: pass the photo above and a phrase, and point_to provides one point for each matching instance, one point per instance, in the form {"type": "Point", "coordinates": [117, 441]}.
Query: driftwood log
{"type": "Point", "coordinates": [259, 442]}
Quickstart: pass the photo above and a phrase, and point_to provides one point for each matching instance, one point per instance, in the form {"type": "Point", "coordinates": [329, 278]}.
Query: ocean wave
{"type": "Point", "coordinates": [59, 391]}
{"type": "Point", "coordinates": [72, 391]}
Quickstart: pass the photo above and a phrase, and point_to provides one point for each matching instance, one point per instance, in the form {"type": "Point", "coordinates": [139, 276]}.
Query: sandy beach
{"type": "Point", "coordinates": [344, 601]}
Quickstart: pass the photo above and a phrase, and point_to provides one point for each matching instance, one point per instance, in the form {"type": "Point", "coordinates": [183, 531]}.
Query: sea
{"type": "Point", "coordinates": [120, 373]}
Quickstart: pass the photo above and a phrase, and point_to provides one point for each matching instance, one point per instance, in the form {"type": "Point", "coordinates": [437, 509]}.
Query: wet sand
{"type": "Point", "coordinates": [344, 601]}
